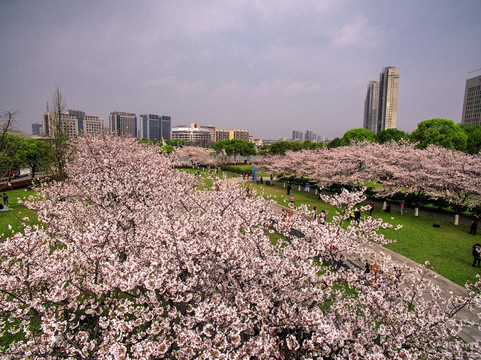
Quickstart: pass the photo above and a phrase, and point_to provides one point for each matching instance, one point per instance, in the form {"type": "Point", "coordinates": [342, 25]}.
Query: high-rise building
{"type": "Point", "coordinates": [155, 127]}
{"type": "Point", "coordinates": [472, 102]}
{"type": "Point", "coordinates": [297, 135]}
{"type": "Point", "coordinates": [310, 136]}
{"type": "Point", "coordinates": [371, 104]}
{"type": "Point", "coordinates": [388, 98]}
{"type": "Point", "coordinates": [123, 124]}
{"type": "Point", "coordinates": [72, 123]}
{"type": "Point", "coordinates": [380, 104]}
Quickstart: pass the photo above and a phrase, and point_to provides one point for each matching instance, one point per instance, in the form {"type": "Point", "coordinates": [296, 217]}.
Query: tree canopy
{"type": "Point", "coordinates": [235, 147]}
{"type": "Point", "coordinates": [473, 132]}
{"type": "Point", "coordinates": [388, 135]}
{"type": "Point", "coordinates": [359, 134]}
{"type": "Point", "coordinates": [440, 132]}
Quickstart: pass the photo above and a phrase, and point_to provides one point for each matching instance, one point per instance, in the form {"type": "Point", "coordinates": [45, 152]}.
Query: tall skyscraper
{"type": "Point", "coordinates": [123, 124]}
{"type": "Point", "coordinates": [371, 104]}
{"type": "Point", "coordinates": [155, 127]}
{"type": "Point", "coordinates": [381, 114]}
{"type": "Point", "coordinates": [388, 98]}
{"type": "Point", "coordinates": [472, 102]}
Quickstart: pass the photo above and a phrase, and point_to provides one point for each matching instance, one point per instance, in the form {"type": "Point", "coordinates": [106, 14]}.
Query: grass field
{"type": "Point", "coordinates": [447, 248]}
{"type": "Point", "coordinates": [14, 217]}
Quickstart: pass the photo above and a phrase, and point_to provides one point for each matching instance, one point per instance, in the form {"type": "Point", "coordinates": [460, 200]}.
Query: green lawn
{"type": "Point", "coordinates": [14, 216]}
{"type": "Point", "coordinates": [447, 248]}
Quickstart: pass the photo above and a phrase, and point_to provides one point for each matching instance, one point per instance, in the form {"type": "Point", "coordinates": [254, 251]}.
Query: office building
{"type": "Point", "coordinates": [388, 98]}
{"type": "Point", "coordinates": [239, 134]}
{"type": "Point", "coordinates": [222, 134]}
{"type": "Point", "coordinates": [472, 102]}
{"type": "Point", "coordinates": [211, 129]}
{"type": "Point", "coordinates": [387, 93]}
{"type": "Point", "coordinates": [123, 124]}
{"type": "Point", "coordinates": [36, 129]}
{"type": "Point", "coordinates": [191, 134]}
{"type": "Point", "coordinates": [72, 123]}
{"type": "Point", "coordinates": [371, 104]}
{"type": "Point", "coordinates": [155, 127]}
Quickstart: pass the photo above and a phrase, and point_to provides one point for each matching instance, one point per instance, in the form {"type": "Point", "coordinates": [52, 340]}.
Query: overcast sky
{"type": "Point", "coordinates": [266, 66]}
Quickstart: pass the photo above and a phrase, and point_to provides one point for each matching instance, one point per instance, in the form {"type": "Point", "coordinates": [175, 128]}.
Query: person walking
{"type": "Point", "coordinates": [477, 254]}
{"type": "Point", "coordinates": [371, 207]}
{"type": "Point", "coordinates": [401, 207]}
{"type": "Point", "coordinates": [5, 199]}
{"type": "Point", "coordinates": [289, 187]}
{"type": "Point", "coordinates": [474, 224]}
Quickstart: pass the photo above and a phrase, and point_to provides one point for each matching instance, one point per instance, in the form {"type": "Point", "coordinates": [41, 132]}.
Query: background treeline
{"type": "Point", "coordinates": [440, 132]}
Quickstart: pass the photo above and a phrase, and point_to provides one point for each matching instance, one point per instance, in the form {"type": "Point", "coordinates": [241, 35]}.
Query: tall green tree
{"type": "Point", "coordinates": [235, 147]}
{"type": "Point", "coordinates": [440, 132]}
{"type": "Point", "coordinates": [334, 143]}
{"type": "Point", "coordinates": [36, 154]}
{"type": "Point", "coordinates": [10, 154]}
{"type": "Point", "coordinates": [474, 138]}
{"type": "Point", "coordinates": [389, 135]}
{"type": "Point", "coordinates": [359, 134]}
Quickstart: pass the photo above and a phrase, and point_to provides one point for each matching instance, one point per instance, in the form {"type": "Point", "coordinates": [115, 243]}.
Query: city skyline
{"type": "Point", "coordinates": [265, 67]}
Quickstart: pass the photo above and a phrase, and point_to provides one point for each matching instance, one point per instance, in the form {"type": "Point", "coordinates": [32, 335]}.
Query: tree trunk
{"type": "Point", "coordinates": [416, 211]}
{"type": "Point", "coordinates": [456, 219]}
{"type": "Point", "coordinates": [384, 204]}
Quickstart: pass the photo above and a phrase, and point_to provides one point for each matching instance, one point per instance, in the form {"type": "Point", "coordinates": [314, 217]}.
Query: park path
{"type": "Point", "coordinates": [447, 287]}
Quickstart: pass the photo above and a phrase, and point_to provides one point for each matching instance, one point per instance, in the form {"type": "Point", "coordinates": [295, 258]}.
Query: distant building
{"type": "Point", "coordinates": [239, 134]}
{"type": "Point", "coordinates": [371, 105]}
{"type": "Point", "coordinates": [388, 98]}
{"type": "Point", "coordinates": [297, 135]}
{"type": "Point", "coordinates": [387, 93]}
{"type": "Point", "coordinates": [191, 134]}
{"type": "Point", "coordinates": [155, 127]}
{"type": "Point", "coordinates": [211, 129]}
{"type": "Point", "coordinates": [222, 135]}
{"type": "Point", "coordinates": [310, 136]}
{"type": "Point", "coordinates": [72, 123]}
{"type": "Point", "coordinates": [123, 124]}
{"type": "Point", "coordinates": [36, 129]}
{"type": "Point", "coordinates": [472, 102]}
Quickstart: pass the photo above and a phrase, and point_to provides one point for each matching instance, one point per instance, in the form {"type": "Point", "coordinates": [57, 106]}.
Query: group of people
{"type": "Point", "coordinates": [322, 216]}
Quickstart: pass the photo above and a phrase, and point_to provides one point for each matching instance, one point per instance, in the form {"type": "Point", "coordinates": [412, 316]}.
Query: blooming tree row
{"type": "Point", "coordinates": [132, 260]}
{"type": "Point", "coordinates": [434, 171]}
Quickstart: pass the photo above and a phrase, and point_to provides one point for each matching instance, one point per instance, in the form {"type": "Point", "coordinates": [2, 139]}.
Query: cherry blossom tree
{"type": "Point", "coordinates": [400, 167]}
{"type": "Point", "coordinates": [195, 155]}
{"type": "Point", "coordinates": [133, 261]}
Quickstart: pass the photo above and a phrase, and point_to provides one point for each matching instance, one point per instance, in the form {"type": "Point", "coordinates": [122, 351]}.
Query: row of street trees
{"type": "Point", "coordinates": [133, 261]}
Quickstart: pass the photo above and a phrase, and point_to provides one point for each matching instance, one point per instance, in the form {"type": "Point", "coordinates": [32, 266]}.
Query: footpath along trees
{"type": "Point", "coordinates": [133, 261]}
